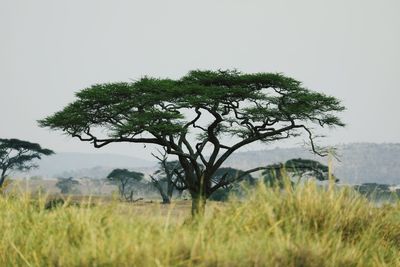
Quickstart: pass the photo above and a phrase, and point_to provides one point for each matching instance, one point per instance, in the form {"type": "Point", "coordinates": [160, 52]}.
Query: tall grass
{"type": "Point", "coordinates": [308, 226]}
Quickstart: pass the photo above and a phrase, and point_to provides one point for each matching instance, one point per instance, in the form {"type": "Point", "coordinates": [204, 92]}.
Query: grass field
{"type": "Point", "coordinates": [306, 227]}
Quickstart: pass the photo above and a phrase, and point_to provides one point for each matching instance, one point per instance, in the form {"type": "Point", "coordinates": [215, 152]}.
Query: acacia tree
{"type": "Point", "coordinates": [235, 177]}
{"type": "Point", "coordinates": [126, 181]}
{"type": "Point", "coordinates": [168, 177]}
{"type": "Point", "coordinates": [67, 185]}
{"type": "Point", "coordinates": [296, 168]}
{"type": "Point", "coordinates": [19, 155]}
{"type": "Point", "coordinates": [201, 118]}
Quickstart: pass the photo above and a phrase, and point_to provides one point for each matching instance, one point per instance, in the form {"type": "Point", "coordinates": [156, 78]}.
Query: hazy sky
{"type": "Point", "coordinates": [51, 49]}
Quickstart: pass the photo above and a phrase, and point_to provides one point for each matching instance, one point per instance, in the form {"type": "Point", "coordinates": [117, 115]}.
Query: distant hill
{"type": "Point", "coordinates": [85, 164]}
{"type": "Point", "coordinates": [359, 162]}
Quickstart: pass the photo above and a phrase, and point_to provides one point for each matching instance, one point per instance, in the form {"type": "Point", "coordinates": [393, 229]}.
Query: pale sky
{"type": "Point", "coordinates": [50, 49]}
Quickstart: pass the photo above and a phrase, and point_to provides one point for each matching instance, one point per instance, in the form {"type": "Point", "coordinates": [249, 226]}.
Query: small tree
{"type": "Point", "coordinates": [236, 179]}
{"type": "Point", "coordinates": [202, 118]}
{"type": "Point", "coordinates": [273, 174]}
{"type": "Point", "coordinates": [67, 185]}
{"type": "Point", "coordinates": [168, 177]}
{"type": "Point", "coordinates": [126, 181]}
{"type": "Point", "coordinates": [19, 155]}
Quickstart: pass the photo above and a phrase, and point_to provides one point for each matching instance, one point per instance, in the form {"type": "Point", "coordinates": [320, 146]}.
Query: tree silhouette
{"type": "Point", "coordinates": [19, 155]}
{"type": "Point", "coordinates": [235, 179]}
{"type": "Point", "coordinates": [299, 168]}
{"type": "Point", "coordinates": [126, 181]}
{"type": "Point", "coordinates": [67, 185]}
{"type": "Point", "coordinates": [202, 118]}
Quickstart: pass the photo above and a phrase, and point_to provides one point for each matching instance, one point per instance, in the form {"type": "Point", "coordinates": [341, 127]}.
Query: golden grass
{"type": "Point", "coordinates": [305, 227]}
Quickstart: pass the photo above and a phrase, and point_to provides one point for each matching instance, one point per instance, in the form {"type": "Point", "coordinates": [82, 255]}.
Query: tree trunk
{"type": "Point", "coordinates": [2, 177]}
{"type": "Point", "coordinates": [166, 199]}
{"type": "Point", "coordinates": [170, 189]}
{"type": "Point", "coordinates": [129, 198]}
{"type": "Point", "coordinates": [198, 205]}
{"type": "Point", "coordinates": [121, 190]}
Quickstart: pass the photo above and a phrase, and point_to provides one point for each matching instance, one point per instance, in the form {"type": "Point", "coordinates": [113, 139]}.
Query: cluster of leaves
{"type": "Point", "coordinates": [273, 174]}
{"type": "Point", "coordinates": [127, 182]}
{"type": "Point", "coordinates": [19, 155]}
{"type": "Point", "coordinates": [238, 180]}
{"type": "Point", "coordinates": [67, 185]}
{"type": "Point", "coordinates": [247, 105]}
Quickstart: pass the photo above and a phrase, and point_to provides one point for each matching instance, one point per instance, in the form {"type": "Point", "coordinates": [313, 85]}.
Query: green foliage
{"type": "Point", "coordinates": [273, 174]}
{"type": "Point", "coordinates": [124, 174]}
{"type": "Point", "coordinates": [239, 180]}
{"type": "Point", "coordinates": [54, 203]}
{"type": "Point", "coordinates": [156, 106]}
{"type": "Point", "coordinates": [19, 155]}
{"type": "Point", "coordinates": [67, 185]}
{"type": "Point", "coordinates": [126, 181]}
{"type": "Point", "coordinates": [378, 192]}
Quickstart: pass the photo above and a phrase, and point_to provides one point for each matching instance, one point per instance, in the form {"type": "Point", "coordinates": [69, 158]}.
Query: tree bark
{"type": "Point", "coordinates": [165, 198]}
{"type": "Point", "coordinates": [2, 178]}
{"type": "Point", "coordinates": [170, 188]}
{"type": "Point", "coordinates": [198, 205]}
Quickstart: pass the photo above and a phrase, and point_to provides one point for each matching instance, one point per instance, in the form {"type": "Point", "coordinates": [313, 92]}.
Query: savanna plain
{"type": "Point", "coordinates": [307, 225]}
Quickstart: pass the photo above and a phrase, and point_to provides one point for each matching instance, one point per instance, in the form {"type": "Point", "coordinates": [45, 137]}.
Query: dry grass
{"type": "Point", "coordinates": [305, 227]}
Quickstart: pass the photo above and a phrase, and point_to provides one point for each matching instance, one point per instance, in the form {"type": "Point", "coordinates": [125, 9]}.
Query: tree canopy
{"type": "Point", "coordinates": [67, 185]}
{"type": "Point", "coordinates": [126, 181]}
{"type": "Point", "coordinates": [234, 179]}
{"type": "Point", "coordinates": [19, 155]}
{"type": "Point", "coordinates": [299, 168]}
{"type": "Point", "coordinates": [202, 118]}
